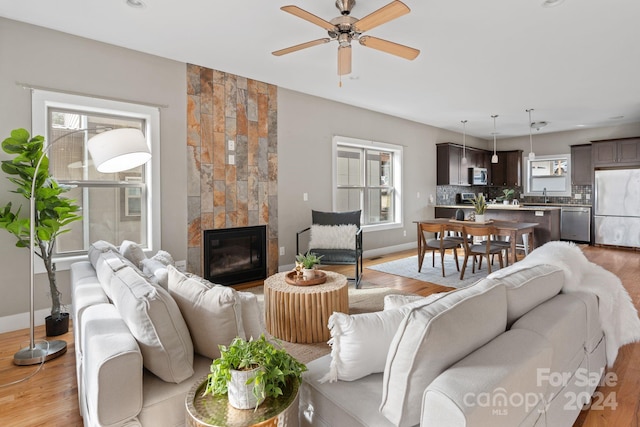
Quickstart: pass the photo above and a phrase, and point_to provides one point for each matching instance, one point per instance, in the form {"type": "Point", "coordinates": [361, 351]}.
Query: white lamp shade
{"type": "Point", "coordinates": [119, 150]}
{"type": "Point", "coordinates": [494, 158]}
{"type": "Point", "coordinates": [532, 156]}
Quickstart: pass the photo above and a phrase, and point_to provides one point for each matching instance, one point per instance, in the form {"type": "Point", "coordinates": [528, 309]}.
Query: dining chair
{"type": "Point", "coordinates": [440, 243]}
{"type": "Point", "coordinates": [483, 249]}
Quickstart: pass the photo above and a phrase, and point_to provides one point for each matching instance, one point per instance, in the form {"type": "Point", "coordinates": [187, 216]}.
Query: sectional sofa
{"type": "Point", "coordinates": [524, 347]}
{"type": "Point", "coordinates": [145, 333]}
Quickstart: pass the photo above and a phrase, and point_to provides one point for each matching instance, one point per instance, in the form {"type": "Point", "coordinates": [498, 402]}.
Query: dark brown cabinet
{"type": "Point", "coordinates": [508, 170]}
{"type": "Point", "coordinates": [450, 170]}
{"type": "Point", "coordinates": [616, 152]}
{"type": "Point", "coordinates": [581, 167]}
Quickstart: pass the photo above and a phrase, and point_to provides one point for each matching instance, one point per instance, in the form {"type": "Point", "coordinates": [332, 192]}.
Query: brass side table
{"type": "Point", "coordinates": [300, 314]}
{"type": "Point", "coordinates": [215, 411]}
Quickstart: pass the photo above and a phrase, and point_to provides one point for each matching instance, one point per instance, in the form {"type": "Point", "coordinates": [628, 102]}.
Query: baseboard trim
{"type": "Point", "coordinates": [21, 320]}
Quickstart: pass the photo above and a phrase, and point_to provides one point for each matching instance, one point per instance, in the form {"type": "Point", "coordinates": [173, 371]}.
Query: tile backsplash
{"type": "Point", "coordinates": [446, 194]}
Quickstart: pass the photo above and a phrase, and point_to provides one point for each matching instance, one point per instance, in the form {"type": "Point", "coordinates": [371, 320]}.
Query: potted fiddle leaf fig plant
{"type": "Point", "coordinates": [250, 371]}
{"type": "Point", "coordinates": [53, 212]}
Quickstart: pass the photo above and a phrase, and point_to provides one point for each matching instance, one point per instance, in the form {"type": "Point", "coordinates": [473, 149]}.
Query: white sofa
{"type": "Point", "coordinates": [138, 350]}
{"type": "Point", "coordinates": [511, 350]}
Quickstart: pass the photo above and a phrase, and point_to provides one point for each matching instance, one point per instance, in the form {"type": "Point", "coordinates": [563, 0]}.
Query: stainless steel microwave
{"type": "Point", "coordinates": [478, 176]}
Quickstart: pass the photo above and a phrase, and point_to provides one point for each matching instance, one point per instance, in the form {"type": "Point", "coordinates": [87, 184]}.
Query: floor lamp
{"type": "Point", "coordinates": [112, 151]}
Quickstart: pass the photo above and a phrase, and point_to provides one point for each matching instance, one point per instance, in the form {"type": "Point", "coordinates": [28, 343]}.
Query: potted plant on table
{"type": "Point", "coordinates": [507, 195]}
{"type": "Point", "coordinates": [250, 371]}
{"type": "Point", "coordinates": [307, 263]}
{"type": "Point", "coordinates": [53, 212]}
{"type": "Point", "coordinates": [479, 207]}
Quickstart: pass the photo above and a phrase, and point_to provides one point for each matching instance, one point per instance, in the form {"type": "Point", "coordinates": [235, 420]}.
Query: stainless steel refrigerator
{"type": "Point", "coordinates": [617, 207]}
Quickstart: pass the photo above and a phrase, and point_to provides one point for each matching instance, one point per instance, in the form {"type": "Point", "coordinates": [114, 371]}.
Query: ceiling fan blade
{"type": "Point", "coordinates": [307, 16]}
{"type": "Point", "coordinates": [300, 46]}
{"type": "Point", "coordinates": [383, 15]}
{"type": "Point", "coordinates": [400, 50]}
{"type": "Point", "coordinates": [344, 60]}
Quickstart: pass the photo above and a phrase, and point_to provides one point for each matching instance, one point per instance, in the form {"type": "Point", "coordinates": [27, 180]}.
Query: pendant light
{"type": "Point", "coordinates": [532, 155]}
{"type": "Point", "coordinates": [464, 142]}
{"type": "Point", "coordinates": [494, 158]}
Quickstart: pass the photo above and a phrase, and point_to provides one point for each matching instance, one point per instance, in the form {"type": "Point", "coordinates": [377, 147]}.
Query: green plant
{"type": "Point", "coordinates": [52, 211]}
{"type": "Point", "coordinates": [309, 259]}
{"type": "Point", "coordinates": [277, 365]}
{"type": "Point", "coordinates": [508, 193]}
{"type": "Point", "coordinates": [479, 204]}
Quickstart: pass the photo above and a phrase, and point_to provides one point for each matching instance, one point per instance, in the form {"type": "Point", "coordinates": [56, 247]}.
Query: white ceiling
{"type": "Point", "coordinates": [577, 64]}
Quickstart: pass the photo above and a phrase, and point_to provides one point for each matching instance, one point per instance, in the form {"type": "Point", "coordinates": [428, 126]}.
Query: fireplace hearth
{"type": "Point", "coordinates": [235, 255]}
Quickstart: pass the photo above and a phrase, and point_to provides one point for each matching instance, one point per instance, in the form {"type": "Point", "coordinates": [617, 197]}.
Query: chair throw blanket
{"type": "Point", "coordinates": [618, 315]}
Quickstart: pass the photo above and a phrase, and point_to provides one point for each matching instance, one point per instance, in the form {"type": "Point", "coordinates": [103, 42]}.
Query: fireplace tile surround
{"type": "Point", "coordinates": [222, 107]}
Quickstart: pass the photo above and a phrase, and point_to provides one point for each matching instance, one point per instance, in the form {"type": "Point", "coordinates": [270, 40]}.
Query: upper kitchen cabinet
{"type": "Point", "coordinates": [450, 170]}
{"type": "Point", "coordinates": [581, 168]}
{"type": "Point", "coordinates": [508, 171]}
{"type": "Point", "coordinates": [616, 152]}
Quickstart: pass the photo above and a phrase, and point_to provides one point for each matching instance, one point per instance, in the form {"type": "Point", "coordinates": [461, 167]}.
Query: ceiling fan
{"type": "Point", "coordinates": [346, 28]}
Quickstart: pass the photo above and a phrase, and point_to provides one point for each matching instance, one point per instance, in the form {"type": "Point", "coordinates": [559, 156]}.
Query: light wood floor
{"type": "Point", "coordinates": [49, 398]}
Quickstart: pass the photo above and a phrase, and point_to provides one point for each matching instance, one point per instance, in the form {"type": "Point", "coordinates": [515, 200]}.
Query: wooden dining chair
{"type": "Point", "coordinates": [482, 249]}
{"type": "Point", "coordinates": [440, 243]}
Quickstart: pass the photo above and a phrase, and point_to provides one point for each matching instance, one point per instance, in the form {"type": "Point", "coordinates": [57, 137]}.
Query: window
{"type": "Point", "coordinates": [367, 176]}
{"type": "Point", "coordinates": [114, 206]}
{"type": "Point", "coordinates": [550, 175]}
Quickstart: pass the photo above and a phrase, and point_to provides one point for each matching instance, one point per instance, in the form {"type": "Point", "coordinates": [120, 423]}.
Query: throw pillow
{"type": "Point", "coordinates": [98, 247]}
{"type": "Point", "coordinates": [164, 257]}
{"type": "Point", "coordinates": [395, 300]}
{"type": "Point", "coordinates": [333, 237]}
{"type": "Point", "coordinates": [212, 312]}
{"type": "Point", "coordinates": [133, 252]}
{"type": "Point", "coordinates": [360, 342]}
{"type": "Point", "coordinates": [156, 271]}
{"type": "Point", "coordinates": [155, 321]}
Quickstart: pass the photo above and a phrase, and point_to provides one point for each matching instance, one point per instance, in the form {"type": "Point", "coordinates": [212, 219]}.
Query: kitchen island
{"type": "Point", "coordinates": [547, 217]}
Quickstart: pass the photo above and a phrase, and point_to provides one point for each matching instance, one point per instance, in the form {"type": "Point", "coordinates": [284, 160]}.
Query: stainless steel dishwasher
{"type": "Point", "coordinates": [575, 223]}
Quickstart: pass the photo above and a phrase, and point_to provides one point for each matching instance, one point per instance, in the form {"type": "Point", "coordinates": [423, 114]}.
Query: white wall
{"type": "Point", "coordinates": [51, 59]}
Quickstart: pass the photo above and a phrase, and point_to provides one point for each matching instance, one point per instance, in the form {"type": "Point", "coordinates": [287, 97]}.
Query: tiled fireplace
{"type": "Point", "coordinates": [232, 159]}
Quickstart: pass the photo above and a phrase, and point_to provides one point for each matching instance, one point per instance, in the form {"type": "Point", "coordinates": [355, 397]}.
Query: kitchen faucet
{"type": "Point", "coordinates": [544, 194]}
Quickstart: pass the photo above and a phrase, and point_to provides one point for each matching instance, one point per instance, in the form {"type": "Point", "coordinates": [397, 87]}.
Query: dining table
{"type": "Point", "coordinates": [512, 229]}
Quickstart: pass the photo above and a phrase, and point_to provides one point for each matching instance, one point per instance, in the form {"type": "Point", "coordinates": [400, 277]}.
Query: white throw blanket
{"type": "Point", "coordinates": [618, 316]}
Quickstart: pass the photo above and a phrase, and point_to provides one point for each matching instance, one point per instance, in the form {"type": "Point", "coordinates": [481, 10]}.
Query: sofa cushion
{"type": "Point", "coordinates": [213, 312]}
{"type": "Point", "coordinates": [562, 320]}
{"type": "Point", "coordinates": [433, 337]}
{"type": "Point", "coordinates": [496, 385]}
{"type": "Point", "coordinates": [98, 247]}
{"type": "Point", "coordinates": [528, 287]}
{"type": "Point", "coordinates": [133, 252]}
{"type": "Point", "coordinates": [392, 301]}
{"type": "Point", "coordinates": [333, 236]}
{"type": "Point", "coordinates": [335, 218]}
{"type": "Point", "coordinates": [106, 264]}
{"type": "Point", "coordinates": [155, 321]}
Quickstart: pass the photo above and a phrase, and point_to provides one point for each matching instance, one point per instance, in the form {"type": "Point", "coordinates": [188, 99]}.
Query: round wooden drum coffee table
{"type": "Point", "coordinates": [300, 313]}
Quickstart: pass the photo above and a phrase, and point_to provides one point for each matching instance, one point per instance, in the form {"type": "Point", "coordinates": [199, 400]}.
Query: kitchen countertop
{"type": "Point", "coordinates": [502, 206]}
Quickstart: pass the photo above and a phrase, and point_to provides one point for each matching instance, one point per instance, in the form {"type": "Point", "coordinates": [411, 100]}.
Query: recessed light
{"type": "Point", "coordinates": [138, 4]}
{"type": "Point", "coordinates": [552, 3]}
{"type": "Point", "coordinates": [580, 126]}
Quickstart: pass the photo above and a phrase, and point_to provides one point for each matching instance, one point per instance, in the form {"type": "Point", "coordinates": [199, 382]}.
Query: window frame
{"type": "Point", "coordinates": [397, 150]}
{"type": "Point", "coordinates": [550, 192]}
{"type": "Point", "coordinates": [42, 100]}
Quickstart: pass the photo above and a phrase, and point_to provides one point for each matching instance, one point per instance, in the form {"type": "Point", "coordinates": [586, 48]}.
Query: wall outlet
{"type": "Point", "coordinates": [587, 196]}
{"type": "Point", "coordinates": [281, 250]}
{"type": "Point", "coordinates": [232, 145]}
{"type": "Point", "coordinates": [577, 196]}
{"type": "Point", "coordinates": [232, 159]}
{"type": "Point", "coordinates": [181, 265]}
{"type": "Point", "coordinates": [305, 197]}
{"type": "Point", "coordinates": [404, 233]}
{"type": "Point", "coordinates": [418, 195]}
